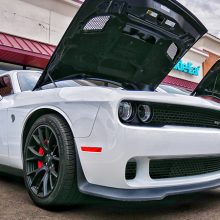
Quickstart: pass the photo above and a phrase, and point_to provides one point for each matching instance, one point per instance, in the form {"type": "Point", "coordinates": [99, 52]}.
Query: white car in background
{"type": "Point", "coordinates": [172, 89]}
{"type": "Point", "coordinates": [73, 130]}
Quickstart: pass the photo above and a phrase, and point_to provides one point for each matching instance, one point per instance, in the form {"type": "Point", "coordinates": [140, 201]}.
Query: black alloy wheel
{"type": "Point", "coordinates": [50, 163]}
{"type": "Point", "coordinates": [42, 161]}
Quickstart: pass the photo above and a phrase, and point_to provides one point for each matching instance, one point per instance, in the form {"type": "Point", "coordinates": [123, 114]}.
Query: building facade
{"type": "Point", "coordinates": [30, 31]}
{"type": "Point", "coordinates": [196, 63]}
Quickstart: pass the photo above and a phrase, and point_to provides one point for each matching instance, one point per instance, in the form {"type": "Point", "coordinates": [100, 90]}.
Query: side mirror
{"type": "Point", "coordinates": [1, 98]}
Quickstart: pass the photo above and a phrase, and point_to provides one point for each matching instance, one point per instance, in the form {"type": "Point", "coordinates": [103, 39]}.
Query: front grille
{"type": "Point", "coordinates": [131, 169]}
{"type": "Point", "coordinates": [172, 168]}
{"type": "Point", "coordinates": [166, 114]}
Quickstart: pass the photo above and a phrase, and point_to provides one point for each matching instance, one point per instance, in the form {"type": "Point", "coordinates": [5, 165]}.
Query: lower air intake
{"type": "Point", "coordinates": [131, 170]}
{"type": "Point", "coordinates": [162, 169]}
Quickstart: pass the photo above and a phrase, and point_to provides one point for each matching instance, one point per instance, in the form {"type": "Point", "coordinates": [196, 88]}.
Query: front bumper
{"type": "Point", "coordinates": [105, 172]}
{"type": "Point", "coordinates": [148, 194]}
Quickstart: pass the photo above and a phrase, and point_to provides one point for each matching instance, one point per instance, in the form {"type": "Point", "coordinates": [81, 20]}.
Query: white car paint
{"type": "Point", "coordinates": [92, 114]}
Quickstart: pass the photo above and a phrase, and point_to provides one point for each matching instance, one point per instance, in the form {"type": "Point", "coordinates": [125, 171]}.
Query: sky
{"type": "Point", "coordinates": [208, 11]}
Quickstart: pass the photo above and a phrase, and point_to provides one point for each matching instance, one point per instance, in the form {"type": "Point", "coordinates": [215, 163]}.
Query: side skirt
{"type": "Point", "coordinates": [10, 170]}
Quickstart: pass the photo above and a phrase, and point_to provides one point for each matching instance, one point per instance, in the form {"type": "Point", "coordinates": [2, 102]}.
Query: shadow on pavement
{"type": "Point", "coordinates": [174, 207]}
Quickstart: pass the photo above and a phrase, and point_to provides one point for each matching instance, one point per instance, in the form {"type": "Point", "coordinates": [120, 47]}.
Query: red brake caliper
{"type": "Point", "coordinates": [40, 163]}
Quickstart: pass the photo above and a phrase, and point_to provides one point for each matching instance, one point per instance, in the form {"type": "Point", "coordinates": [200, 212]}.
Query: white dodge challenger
{"type": "Point", "coordinates": [92, 122]}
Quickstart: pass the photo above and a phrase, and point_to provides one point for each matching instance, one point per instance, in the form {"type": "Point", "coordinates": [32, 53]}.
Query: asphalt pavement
{"type": "Point", "coordinates": [16, 204]}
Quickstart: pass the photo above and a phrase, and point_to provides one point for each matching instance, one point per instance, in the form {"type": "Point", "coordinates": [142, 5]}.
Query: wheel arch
{"type": "Point", "coordinates": [34, 115]}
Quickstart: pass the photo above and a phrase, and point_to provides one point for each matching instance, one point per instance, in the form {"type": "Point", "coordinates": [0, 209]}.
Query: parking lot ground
{"type": "Point", "coordinates": [15, 204]}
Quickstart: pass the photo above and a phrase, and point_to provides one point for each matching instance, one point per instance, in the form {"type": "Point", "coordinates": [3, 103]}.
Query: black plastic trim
{"type": "Point", "coordinates": [11, 170]}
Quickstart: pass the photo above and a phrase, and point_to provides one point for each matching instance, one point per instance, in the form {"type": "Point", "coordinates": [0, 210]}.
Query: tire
{"type": "Point", "coordinates": [50, 163]}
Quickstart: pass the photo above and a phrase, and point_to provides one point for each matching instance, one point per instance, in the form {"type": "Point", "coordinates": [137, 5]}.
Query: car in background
{"type": "Point", "coordinates": [171, 89]}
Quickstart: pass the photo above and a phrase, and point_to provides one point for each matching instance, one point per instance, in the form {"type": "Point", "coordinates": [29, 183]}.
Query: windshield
{"type": "Point", "coordinates": [28, 80]}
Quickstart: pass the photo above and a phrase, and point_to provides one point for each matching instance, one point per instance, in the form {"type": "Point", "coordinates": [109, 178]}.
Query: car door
{"type": "Point", "coordinates": [6, 92]}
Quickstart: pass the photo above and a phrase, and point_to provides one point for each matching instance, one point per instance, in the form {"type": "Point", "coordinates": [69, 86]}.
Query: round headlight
{"type": "Point", "coordinates": [125, 111]}
{"type": "Point", "coordinates": [144, 113]}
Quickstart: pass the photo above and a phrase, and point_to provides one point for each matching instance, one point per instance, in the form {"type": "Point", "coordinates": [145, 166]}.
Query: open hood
{"type": "Point", "coordinates": [133, 42]}
{"type": "Point", "coordinates": [209, 87]}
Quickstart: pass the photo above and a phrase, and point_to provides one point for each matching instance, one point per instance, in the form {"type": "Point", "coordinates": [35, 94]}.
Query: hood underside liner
{"type": "Point", "coordinates": [135, 43]}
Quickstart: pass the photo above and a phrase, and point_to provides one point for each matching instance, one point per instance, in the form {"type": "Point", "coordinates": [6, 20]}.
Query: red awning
{"type": "Point", "coordinates": [180, 83]}
{"type": "Point", "coordinates": [24, 52]}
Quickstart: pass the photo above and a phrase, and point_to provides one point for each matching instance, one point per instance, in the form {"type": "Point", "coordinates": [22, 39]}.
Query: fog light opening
{"type": "Point", "coordinates": [131, 170]}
